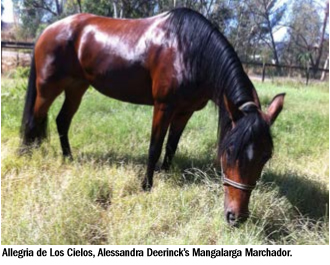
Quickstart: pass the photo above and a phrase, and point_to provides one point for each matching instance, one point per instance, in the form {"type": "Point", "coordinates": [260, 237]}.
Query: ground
{"type": "Point", "coordinates": [97, 198]}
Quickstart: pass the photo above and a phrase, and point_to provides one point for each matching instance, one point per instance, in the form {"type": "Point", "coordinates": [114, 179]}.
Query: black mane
{"type": "Point", "coordinates": [212, 61]}
{"type": "Point", "coordinates": [209, 56]}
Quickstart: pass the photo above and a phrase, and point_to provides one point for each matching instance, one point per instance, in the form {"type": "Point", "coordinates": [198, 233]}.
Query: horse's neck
{"type": "Point", "coordinates": [256, 97]}
{"type": "Point", "coordinates": [237, 101]}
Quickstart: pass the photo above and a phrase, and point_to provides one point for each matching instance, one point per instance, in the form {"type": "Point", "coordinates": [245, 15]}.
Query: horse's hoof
{"type": "Point", "coordinates": [146, 186]}
{"type": "Point", "coordinates": [67, 157]}
{"type": "Point", "coordinates": [165, 168]}
{"type": "Point", "coordinates": [158, 168]}
{"type": "Point", "coordinates": [24, 150]}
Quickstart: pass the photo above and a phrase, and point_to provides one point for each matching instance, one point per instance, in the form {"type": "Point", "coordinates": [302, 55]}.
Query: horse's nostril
{"type": "Point", "coordinates": [231, 219]}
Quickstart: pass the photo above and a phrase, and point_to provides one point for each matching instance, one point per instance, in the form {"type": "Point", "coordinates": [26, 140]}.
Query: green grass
{"type": "Point", "coordinates": [97, 199]}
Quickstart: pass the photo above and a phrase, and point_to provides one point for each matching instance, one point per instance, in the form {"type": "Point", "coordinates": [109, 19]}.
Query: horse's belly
{"type": "Point", "coordinates": [131, 84]}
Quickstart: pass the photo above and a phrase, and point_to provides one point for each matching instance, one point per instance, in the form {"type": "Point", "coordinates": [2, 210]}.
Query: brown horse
{"type": "Point", "coordinates": [176, 62]}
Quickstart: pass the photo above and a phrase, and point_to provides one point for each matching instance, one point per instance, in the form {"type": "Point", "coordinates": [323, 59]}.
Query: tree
{"type": "Point", "coordinates": [242, 33]}
{"type": "Point", "coordinates": [322, 39]}
{"type": "Point", "coordinates": [307, 39]}
{"type": "Point", "coordinates": [36, 14]}
{"type": "Point", "coordinates": [98, 7]}
{"type": "Point", "coordinates": [267, 17]}
{"type": "Point", "coordinates": [2, 9]}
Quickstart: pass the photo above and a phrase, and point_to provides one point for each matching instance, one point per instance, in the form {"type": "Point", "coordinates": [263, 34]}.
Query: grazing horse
{"type": "Point", "coordinates": [176, 61]}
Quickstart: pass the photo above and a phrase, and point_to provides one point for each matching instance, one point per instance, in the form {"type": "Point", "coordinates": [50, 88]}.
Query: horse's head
{"type": "Point", "coordinates": [244, 151]}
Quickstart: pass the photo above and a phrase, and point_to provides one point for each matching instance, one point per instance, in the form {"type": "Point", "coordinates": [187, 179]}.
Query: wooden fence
{"type": "Point", "coordinates": [15, 45]}
{"type": "Point", "coordinates": [306, 70]}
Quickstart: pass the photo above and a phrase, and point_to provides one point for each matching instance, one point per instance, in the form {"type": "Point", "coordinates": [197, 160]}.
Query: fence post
{"type": "Point", "coordinates": [263, 71]}
{"type": "Point", "coordinates": [17, 57]}
{"type": "Point", "coordinates": [1, 59]}
{"type": "Point", "coordinates": [325, 66]}
{"type": "Point", "coordinates": [307, 75]}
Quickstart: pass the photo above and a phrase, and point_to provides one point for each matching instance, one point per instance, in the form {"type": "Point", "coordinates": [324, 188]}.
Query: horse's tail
{"type": "Point", "coordinates": [33, 130]}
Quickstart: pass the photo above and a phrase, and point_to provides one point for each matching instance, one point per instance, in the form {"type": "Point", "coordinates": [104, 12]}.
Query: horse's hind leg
{"type": "Point", "coordinates": [36, 127]}
{"type": "Point", "coordinates": [177, 126]}
{"type": "Point", "coordinates": [73, 96]}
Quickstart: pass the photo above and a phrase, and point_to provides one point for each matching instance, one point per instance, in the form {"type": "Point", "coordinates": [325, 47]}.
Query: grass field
{"type": "Point", "coordinates": [97, 199]}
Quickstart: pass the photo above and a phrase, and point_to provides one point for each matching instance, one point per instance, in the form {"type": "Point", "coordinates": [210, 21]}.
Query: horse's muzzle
{"type": "Point", "coordinates": [235, 219]}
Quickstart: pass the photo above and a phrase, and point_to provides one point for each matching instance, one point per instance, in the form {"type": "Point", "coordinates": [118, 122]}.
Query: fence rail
{"type": "Point", "coordinates": [283, 66]}
{"type": "Point", "coordinates": [306, 70]}
{"type": "Point", "coordinates": [17, 45]}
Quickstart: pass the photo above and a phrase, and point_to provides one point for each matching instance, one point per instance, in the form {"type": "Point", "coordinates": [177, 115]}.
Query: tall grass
{"type": "Point", "coordinates": [97, 199]}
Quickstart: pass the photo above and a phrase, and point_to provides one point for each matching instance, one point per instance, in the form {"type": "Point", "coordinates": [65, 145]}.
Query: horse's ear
{"type": "Point", "coordinates": [275, 108]}
{"type": "Point", "coordinates": [233, 111]}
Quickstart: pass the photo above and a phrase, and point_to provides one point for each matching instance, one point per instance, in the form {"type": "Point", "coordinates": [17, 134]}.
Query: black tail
{"type": "Point", "coordinates": [33, 130]}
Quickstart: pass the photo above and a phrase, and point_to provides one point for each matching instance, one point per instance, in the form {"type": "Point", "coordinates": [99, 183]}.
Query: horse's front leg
{"type": "Point", "coordinates": [162, 117]}
{"type": "Point", "coordinates": [177, 126]}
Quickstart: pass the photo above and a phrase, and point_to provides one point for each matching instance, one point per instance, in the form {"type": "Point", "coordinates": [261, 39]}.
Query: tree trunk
{"type": "Point", "coordinates": [326, 64]}
{"type": "Point", "coordinates": [79, 5]}
{"type": "Point", "coordinates": [121, 12]}
{"type": "Point", "coordinates": [277, 62]}
{"type": "Point", "coordinates": [59, 9]}
{"type": "Point", "coordinates": [319, 55]}
{"type": "Point", "coordinates": [114, 10]}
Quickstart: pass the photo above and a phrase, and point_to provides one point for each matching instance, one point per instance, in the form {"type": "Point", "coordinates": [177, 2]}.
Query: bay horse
{"type": "Point", "coordinates": [176, 62]}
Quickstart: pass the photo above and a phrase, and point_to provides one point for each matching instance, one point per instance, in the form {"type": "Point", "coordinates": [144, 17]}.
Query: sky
{"type": "Point", "coordinates": [8, 12]}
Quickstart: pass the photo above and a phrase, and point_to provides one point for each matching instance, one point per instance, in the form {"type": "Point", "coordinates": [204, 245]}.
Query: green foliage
{"type": "Point", "coordinates": [21, 72]}
{"type": "Point", "coordinates": [30, 18]}
{"type": "Point", "coordinates": [97, 198]}
{"type": "Point", "coordinates": [99, 7]}
{"type": "Point", "coordinates": [304, 36]}
{"type": "Point", "coordinates": [40, 29]}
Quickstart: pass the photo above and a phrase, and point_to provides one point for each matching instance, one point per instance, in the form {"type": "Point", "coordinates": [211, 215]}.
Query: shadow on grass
{"type": "Point", "coordinates": [110, 158]}
{"type": "Point", "coordinates": [309, 197]}
{"type": "Point", "coordinates": [187, 166]}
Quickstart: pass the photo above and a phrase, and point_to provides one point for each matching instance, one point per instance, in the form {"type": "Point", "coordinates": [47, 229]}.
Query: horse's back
{"type": "Point", "coordinates": [98, 41]}
{"type": "Point", "coordinates": [122, 58]}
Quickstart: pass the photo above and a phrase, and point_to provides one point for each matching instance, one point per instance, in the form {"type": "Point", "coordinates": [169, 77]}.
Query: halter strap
{"type": "Point", "coordinates": [249, 103]}
{"type": "Point", "coordinates": [237, 184]}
